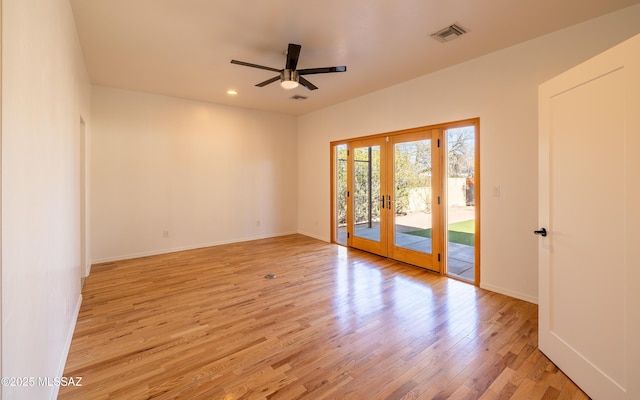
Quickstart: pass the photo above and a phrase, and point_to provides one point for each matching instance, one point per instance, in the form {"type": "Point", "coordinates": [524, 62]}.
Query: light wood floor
{"type": "Point", "coordinates": [334, 324]}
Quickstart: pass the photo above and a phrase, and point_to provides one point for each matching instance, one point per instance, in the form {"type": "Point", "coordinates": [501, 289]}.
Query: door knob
{"type": "Point", "coordinates": [541, 232]}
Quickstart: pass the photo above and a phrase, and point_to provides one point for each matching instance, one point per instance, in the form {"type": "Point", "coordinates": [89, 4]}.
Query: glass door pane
{"type": "Point", "coordinates": [412, 195]}
{"type": "Point", "coordinates": [340, 179]}
{"type": "Point", "coordinates": [461, 204]}
{"type": "Point", "coordinates": [366, 192]}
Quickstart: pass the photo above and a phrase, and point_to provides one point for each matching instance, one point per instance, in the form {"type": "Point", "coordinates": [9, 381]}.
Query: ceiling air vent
{"type": "Point", "coordinates": [449, 33]}
{"type": "Point", "coordinates": [298, 97]}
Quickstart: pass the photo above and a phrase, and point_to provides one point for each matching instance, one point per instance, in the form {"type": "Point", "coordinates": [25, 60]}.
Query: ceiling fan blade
{"type": "Point", "coordinates": [293, 53]}
{"type": "Point", "coordinates": [306, 83]}
{"type": "Point", "coordinates": [268, 81]}
{"type": "Point", "coordinates": [325, 70]}
{"type": "Point", "coordinates": [246, 64]}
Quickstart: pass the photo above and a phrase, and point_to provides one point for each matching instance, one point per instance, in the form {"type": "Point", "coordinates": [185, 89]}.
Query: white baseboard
{"type": "Point", "coordinates": [188, 247]}
{"type": "Point", "coordinates": [510, 293]}
{"type": "Point", "coordinates": [67, 346]}
{"type": "Point", "coordinates": [314, 236]}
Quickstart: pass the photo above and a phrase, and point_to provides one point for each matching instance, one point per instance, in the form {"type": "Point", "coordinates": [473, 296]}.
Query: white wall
{"type": "Point", "coordinates": [501, 89]}
{"type": "Point", "coordinates": [208, 174]}
{"type": "Point", "coordinates": [1, 374]}
{"type": "Point", "coordinates": [45, 92]}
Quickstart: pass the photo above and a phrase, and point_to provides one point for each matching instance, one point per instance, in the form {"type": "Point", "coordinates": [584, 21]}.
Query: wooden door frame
{"type": "Point", "coordinates": [444, 126]}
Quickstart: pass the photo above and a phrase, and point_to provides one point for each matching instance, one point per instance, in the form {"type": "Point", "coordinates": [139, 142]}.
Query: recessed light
{"type": "Point", "coordinates": [232, 92]}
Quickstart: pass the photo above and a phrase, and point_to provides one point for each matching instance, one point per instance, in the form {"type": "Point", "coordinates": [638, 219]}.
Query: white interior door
{"type": "Point", "coordinates": [589, 278]}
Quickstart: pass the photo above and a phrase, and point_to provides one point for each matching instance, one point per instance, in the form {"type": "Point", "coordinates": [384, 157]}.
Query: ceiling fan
{"type": "Point", "coordinates": [290, 77]}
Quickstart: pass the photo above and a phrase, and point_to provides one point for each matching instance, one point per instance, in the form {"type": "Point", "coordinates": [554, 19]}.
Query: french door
{"type": "Point", "coordinates": [388, 177]}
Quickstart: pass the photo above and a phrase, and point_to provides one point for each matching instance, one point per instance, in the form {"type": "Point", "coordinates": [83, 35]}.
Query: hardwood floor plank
{"type": "Point", "coordinates": [335, 323]}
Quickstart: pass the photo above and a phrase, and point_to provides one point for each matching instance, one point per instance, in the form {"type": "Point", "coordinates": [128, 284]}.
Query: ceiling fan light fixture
{"type": "Point", "coordinates": [289, 79]}
{"type": "Point", "coordinates": [288, 85]}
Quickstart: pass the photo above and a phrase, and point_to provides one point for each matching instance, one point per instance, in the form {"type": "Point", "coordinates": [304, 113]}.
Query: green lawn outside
{"type": "Point", "coordinates": [463, 226]}
{"type": "Point", "coordinates": [459, 232]}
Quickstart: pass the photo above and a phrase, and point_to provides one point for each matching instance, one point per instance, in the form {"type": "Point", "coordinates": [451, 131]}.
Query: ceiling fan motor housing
{"type": "Point", "coordinates": [289, 78]}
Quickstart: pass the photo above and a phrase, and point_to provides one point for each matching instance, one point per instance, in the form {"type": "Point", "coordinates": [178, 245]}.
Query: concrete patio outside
{"type": "Point", "coordinates": [460, 257]}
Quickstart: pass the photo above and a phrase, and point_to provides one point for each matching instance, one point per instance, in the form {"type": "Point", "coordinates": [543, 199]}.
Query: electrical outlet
{"type": "Point", "coordinates": [165, 233]}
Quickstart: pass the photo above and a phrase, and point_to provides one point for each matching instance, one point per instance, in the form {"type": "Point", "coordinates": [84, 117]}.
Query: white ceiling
{"type": "Point", "coordinates": [183, 48]}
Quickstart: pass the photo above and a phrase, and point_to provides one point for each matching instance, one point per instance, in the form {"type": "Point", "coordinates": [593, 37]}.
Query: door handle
{"type": "Point", "coordinates": [382, 201]}
{"type": "Point", "coordinates": [541, 232]}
